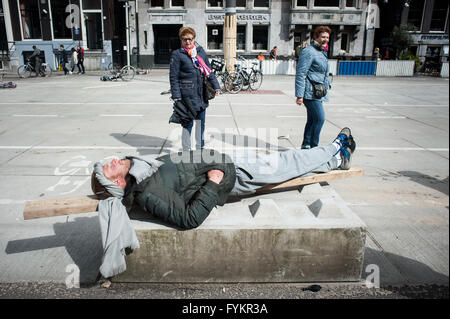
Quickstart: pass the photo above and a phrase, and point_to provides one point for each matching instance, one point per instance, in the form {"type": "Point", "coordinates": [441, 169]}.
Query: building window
{"type": "Point", "coordinates": [93, 22]}
{"type": "Point", "coordinates": [240, 37]}
{"type": "Point", "coordinates": [157, 3]}
{"type": "Point", "coordinates": [241, 3]}
{"type": "Point", "coordinates": [260, 37]}
{"type": "Point", "coordinates": [302, 3]}
{"type": "Point", "coordinates": [215, 37]}
{"type": "Point", "coordinates": [215, 3]}
{"type": "Point", "coordinates": [92, 5]}
{"type": "Point", "coordinates": [416, 13]}
{"type": "Point", "coordinates": [59, 16]}
{"type": "Point", "coordinates": [261, 3]}
{"type": "Point", "coordinates": [30, 20]}
{"type": "Point", "coordinates": [326, 3]}
{"type": "Point", "coordinates": [345, 42]}
{"type": "Point", "coordinates": [177, 3]}
{"type": "Point", "coordinates": [350, 3]}
{"type": "Point", "coordinates": [439, 16]}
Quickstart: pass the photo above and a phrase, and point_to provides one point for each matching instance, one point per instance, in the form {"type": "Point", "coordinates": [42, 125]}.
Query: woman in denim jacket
{"type": "Point", "coordinates": [313, 66]}
{"type": "Point", "coordinates": [187, 67]}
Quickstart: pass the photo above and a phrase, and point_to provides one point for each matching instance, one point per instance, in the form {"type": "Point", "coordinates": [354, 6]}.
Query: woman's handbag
{"type": "Point", "coordinates": [208, 90]}
{"type": "Point", "coordinates": [319, 89]}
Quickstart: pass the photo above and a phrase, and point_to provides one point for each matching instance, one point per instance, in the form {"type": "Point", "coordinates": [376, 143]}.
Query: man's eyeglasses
{"type": "Point", "coordinates": [187, 39]}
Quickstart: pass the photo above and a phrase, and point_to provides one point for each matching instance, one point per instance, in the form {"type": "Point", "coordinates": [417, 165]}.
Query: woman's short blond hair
{"type": "Point", "coordinates": [186, 30]}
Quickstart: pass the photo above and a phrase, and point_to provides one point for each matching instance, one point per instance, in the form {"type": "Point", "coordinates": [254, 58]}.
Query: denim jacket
{"type": "Point", "coordinates": [312, 63]}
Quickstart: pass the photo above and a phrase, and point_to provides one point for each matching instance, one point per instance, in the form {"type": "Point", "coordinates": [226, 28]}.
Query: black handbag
{"type": "Point", "coordinates": [208, 90]}
{"type": "Point", "coordinates": [319, 89]}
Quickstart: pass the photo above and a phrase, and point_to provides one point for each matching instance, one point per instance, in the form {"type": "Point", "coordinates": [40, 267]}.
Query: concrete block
{"type": "Point", "coordinates": [280, 237]}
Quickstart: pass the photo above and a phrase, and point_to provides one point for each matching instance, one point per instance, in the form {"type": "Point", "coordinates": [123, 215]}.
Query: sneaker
{"type": "Point", "coordinates": [348, 146]}
{"type": "Point", "coordinates": [70, 72]}
{"type": "Point", "coordinates": [346, 157]}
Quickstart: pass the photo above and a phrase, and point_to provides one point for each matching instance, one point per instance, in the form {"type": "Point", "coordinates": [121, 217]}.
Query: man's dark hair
{"type": "Point", "coordinates": [98, 189]}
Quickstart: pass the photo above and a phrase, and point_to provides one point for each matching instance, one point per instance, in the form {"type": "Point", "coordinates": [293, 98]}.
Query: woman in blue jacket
{"type": "Point", "coordinates": [187, 67]}
{"type": "Point", "coordinates": [313, 66]}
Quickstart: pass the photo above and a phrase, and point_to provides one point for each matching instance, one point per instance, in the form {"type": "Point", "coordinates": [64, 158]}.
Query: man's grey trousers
{"type": "Point", "coordinates": [255, 170]}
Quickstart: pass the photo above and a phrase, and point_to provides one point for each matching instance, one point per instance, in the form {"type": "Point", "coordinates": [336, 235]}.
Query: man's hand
{"type": "Point", "coordinates": [215, 176]}
{"type": "Point", "coordinates": [299, 101]}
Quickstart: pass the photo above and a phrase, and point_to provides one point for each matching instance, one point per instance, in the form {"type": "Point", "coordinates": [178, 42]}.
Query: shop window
{"type": "Point", "coordinates": [439, 16]}
{"type": "Point", "coordinates": [157, 3]}
{"type": "Point", "coordinates": [416, 12]}
{"type": "Point", "coordinates": [92, 4]}
{"type": "Point", "coordinates": [240, 37]}
{"type": "Point", "coordinates": [301, 3]}
{"type": "Point", "coordinates": [215, 3]}
{"type": "Point", "coordinates": [177, 3]}
{"type": "Point", "coordinates": [215, 37]}
{"type": "Point", "coordinates": [59, 16]}
{"type": "Point", "coordinates": [241, 3]}
{"type": "Point", "coordinates": [93, 22]}
{"type": "Point", "coordinates": [261, 3]}
{"type": "Point", "coordinates": [326, 3]}
{"type": "Point", "coordinates": [260, 37]}
{"type": "Point", "coordinates": [29, 19]}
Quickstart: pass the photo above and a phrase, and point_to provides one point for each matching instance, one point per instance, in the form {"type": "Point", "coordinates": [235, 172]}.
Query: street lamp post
{"type": "Point", "coordinates": [230, 35]}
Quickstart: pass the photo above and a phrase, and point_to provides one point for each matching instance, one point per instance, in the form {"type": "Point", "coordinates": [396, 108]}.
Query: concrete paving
{"type": "Point", "coordinates": [53, 129]}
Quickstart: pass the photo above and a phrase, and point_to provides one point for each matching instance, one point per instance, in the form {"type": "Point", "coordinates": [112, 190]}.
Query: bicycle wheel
{"type": "Point", "coordinates": [47, 70]}
{"type": "Point", "coordinates": [127, 73]}
{"type": "Point", "coordinates": [234, 83]}
{"type": "Point", "coordinates": [24, 71]}
{"type": "Point", "coordinates": [256, 79]}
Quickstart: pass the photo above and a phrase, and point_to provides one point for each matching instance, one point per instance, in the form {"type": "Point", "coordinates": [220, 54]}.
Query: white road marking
{"type": "Point", "coordinates": [121, 115]}
{"type": "Point", "coordinates": [99, 147]}
{"type": "Point", "coordinates": [35, 115]}
{"type": "Point", "coordinates": [385, 117]}
{"type": "Point", "coordinates": [291, 116]}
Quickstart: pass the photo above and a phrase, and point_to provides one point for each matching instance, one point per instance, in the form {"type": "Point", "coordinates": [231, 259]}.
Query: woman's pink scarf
{"type": "Point", "coordinates": [198, 61]}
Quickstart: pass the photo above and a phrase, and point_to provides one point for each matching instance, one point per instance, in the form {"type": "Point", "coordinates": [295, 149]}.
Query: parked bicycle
{"type": "Point", "coordinates": [244, 78]}
{"type": "Point", "coordinates": [219, 70]}
{"type": "Point", "coordinates": [25, 70]}
{"type": "Point", "coordinates": [126, 74]}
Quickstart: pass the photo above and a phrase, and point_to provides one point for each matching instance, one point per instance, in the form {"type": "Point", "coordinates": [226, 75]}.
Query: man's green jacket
{"type": "Point", "coordinates": [180, 193]}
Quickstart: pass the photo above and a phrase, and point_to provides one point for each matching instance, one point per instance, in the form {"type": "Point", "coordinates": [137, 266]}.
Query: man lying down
{"type": "Point", "coordinates": [182, 189]}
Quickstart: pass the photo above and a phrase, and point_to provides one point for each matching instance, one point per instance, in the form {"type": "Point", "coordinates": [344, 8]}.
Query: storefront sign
{"type": "Point", "coordinates": [430, 38]}
{"type": "Point", "coordinates": [166, 18]}
{"type": "Point", "coordinates": [240, 17]}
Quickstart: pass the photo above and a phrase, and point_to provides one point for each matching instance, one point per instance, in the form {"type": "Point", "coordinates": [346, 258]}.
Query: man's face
{"type": "Point", "coordinates": [116, 169]}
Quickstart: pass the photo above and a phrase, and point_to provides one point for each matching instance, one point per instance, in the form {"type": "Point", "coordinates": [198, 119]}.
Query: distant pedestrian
{"type": "Point", "coordinates": [298, 50]}
{"type": "Point", "coordinates": [261, 57]}
{"type": "Point", "coordinates": [63, 59]}
{"type": "Point", "coordinates": [312, 71]}
{"type": "Point", "coordinates": [273, 54]}
{"type": "Point", "coordinates": [376, 54]}
{"type": "Point", "coordinates": [37, 61]}
{"type": "Point", "coordinates": [80, 56]}
{"type": "Point", "coordinates": [74, 61]}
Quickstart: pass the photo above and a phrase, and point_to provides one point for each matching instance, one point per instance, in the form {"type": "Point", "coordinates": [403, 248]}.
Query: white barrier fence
{"type": "Point", "coordinates": [384, 68]}
{"type": "Point", "coordinates": [444, 70]}
{"type": "Point", "coordinates": [395, 68]}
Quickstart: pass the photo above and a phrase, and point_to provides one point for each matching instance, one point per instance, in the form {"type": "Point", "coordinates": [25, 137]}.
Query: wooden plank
{"type": "Point", "coordinates": [316, 178]}
{"type": "Point", "coordinates": [59, 207]}
{"type": "Point", "coordinates": [87, 204]}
